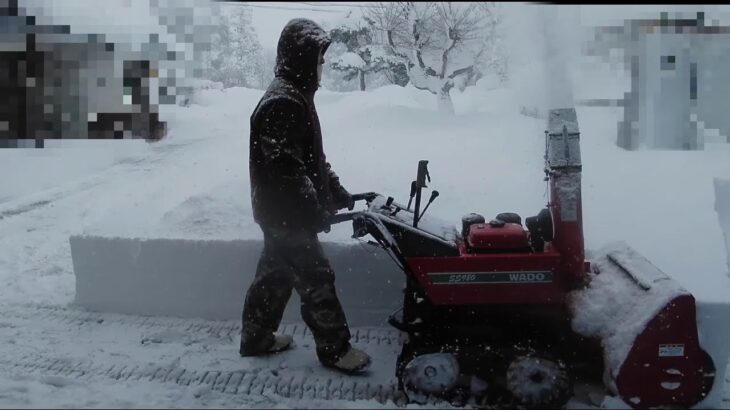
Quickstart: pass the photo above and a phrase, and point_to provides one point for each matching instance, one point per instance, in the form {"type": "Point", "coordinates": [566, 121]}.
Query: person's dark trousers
{"type": "Point", "coordinates": [294, 259]}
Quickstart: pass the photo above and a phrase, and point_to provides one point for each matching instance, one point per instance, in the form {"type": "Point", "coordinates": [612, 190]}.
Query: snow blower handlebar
{"type": "Point", "coordinates": [367, 196]}
{"type": "Point", "coordinates": [347, 216]}
{"type": "Point", "coordinates": [343, 217]}
{"type": "Point", "coordinates": [416, 188]}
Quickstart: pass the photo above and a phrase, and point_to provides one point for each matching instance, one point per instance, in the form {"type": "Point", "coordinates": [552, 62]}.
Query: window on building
{"type": "Point", "coordinates": [693, 81]}
{"type": "Point", "coordinates": [667, 62]}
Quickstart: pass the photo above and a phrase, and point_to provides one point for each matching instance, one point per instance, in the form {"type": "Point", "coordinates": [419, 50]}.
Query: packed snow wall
{"type": "Point", "coordinates": [209, 278]}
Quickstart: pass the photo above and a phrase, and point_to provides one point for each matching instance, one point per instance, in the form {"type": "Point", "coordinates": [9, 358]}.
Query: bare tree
{"type": "Point", "coordinates": [439, 41]}
{"type": "Point", "coordinates": [494, 58]}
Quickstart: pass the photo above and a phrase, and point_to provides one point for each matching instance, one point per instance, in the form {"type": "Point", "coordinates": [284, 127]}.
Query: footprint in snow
{"type": "Point", "coordinates": [165, 336]}
{"type": "Point", "coordinates": [56, 381]}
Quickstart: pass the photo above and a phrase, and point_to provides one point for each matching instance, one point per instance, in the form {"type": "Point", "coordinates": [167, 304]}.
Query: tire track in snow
{"type": "Point", "coordinates": [218, 329]}
{"type": "Point", "coordinates": [295, 384]}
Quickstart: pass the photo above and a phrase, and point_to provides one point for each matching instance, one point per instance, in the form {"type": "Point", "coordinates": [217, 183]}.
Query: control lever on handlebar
{"type": "Point", "coordinates": [413, 193]}
{"type": "Point", "coordinates": [422, 174]}
{"type": "Point", "coordinates": [420, 184]}
{"type": "Point", "coordinates": [434, 195]}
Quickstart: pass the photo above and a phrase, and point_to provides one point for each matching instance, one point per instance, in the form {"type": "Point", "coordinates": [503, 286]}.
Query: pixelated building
{"type": "Point", "coordinates": [680, 81]}
{"type": "Point", "coordinates": [60, 85]}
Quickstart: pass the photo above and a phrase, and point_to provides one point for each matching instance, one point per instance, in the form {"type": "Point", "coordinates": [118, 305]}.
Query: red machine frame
{"type": "Point", "coordinates": [497, 275]}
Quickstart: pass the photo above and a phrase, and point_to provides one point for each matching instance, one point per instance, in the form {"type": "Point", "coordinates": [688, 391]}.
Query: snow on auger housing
{"type": "Point", "coordinates": [507, 313]}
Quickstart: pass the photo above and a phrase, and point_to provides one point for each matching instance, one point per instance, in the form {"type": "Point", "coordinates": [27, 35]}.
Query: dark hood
{"type": "Point", "coordinates": [297, 52]}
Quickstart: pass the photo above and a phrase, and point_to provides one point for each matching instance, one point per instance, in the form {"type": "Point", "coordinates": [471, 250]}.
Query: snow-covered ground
{"type": "Point", "coordinates": [194, 185]}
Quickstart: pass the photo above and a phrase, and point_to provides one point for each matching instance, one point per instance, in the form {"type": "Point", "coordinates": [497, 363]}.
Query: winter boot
{"type": "Point", "coordinates": [280, 343]}
{"type": "Point", "coordinates": [355, 361]}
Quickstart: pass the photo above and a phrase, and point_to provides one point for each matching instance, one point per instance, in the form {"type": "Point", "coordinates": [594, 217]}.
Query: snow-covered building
{"type": "Point", "coordinates": [70, 85]}
{"type": "Point", "coordinates": [680, 82]}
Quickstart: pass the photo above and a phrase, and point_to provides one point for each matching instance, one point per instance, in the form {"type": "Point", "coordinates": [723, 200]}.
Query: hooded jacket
{"type": "Point", "coordinates": [292, 184]}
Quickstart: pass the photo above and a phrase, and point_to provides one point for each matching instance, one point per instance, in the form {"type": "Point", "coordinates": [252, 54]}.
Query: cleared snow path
{"type": "Point", "coordinates": [194, 353]}
{"type": "Point", "coordinates": [166, 360]}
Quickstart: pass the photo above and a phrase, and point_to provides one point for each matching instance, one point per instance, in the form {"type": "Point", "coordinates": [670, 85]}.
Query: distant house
{"type": "Point", "coordinates": [58, 84]}
{"type": "Point", "coordinates": [680, 82]}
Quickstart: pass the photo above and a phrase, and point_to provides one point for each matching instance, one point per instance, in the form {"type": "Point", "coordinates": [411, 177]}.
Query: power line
{"type": "Point", "coordinates": [308, 3]}
{"type": "Point", "coordinates": [280, 8]}
{"type": "Point", "coordinates": [341, 8]}
{"type": "Point", "coordinates": [261, 6]}
{"type": "Point", "coordinates": [332, 4]}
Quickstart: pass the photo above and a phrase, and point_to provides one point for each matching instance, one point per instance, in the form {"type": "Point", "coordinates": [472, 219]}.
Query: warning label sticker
{"type": "Point", "coordinates": [671, 350]}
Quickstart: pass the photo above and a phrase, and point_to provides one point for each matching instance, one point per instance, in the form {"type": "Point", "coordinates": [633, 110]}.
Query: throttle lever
{"type": "Point", "coordinates": [414, 188]}
{"type": "Point", "coordinates": [434, 195]}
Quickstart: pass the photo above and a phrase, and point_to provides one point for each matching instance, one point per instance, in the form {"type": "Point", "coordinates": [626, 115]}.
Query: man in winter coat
{"type": "Point", "coordinates": [294, 192]}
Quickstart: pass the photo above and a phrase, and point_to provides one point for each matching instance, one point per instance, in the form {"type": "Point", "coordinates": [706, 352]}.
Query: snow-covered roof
{"type": "Point", "coordinates": [86, 16]}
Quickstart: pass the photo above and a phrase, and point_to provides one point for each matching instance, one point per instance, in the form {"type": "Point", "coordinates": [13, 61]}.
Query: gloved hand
{"type": "Point", "coordinates": [323, 220]}
{"type": "Point", "coordinates": [349, 201]}
{"type": "Point", "coordinates": [343, 199]}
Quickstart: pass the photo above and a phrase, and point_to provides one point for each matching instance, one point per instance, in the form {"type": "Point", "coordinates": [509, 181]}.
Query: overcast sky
{"type": "Point", "coordinates": [133, 16]}
{"type": "Point", "coordinates": [269, 18]}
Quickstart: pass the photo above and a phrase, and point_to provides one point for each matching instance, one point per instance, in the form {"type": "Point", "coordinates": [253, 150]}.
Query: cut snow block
{"type": "Point", "coordinates": [209, 278]}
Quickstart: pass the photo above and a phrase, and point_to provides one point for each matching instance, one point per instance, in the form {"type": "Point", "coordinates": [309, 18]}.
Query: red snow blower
{"type": "Point", "coordinates": [514, 315]}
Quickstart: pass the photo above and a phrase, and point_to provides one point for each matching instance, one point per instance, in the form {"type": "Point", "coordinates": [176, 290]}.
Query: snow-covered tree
{"type": "Point", "coordinates": [334, 79]}
{"type": "Point", "coordinates": [494, 58]}
{"type": "Point", "coordinates": [397, 74]}
{"type": "Point", "coordinates": [363, 56]}
{"type": "Point", "coordinates": [265, 70]}
{"type": "Point", "coordinates": [236, 58]}
{"type": "Point", "coordinates": [444, 44]}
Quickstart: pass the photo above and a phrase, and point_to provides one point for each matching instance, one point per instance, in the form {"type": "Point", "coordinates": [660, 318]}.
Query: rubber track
{"type": "Point", "coordinates": [270, 382]}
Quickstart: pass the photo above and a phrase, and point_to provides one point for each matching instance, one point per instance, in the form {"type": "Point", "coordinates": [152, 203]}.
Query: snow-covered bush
{"type": "Point", "coordinates": [363, 56]}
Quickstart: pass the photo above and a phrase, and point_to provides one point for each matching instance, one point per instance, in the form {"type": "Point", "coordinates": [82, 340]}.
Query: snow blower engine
{"type": "Point", "coordinates": [504, 313]}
